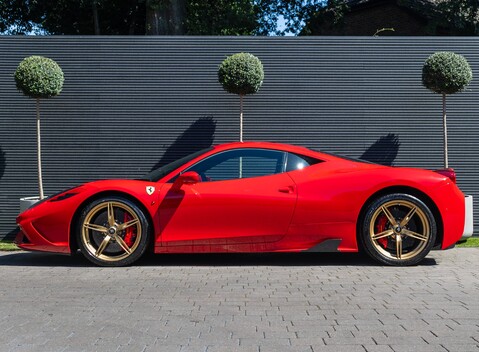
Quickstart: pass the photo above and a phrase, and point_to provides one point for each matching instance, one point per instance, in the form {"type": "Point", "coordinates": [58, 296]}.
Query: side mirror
{"type": "Point", "coordinates": [187, 178]}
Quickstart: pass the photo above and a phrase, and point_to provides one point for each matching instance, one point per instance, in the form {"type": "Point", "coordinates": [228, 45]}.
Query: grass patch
{"type": "Point", "coordinates": [468, 243]}
{"type": "Point", "coordinates": [8, 246]}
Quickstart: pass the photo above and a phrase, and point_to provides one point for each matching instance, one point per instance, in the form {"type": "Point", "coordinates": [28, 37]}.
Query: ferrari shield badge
{"type": "Point", "coordinates": [150, 190]}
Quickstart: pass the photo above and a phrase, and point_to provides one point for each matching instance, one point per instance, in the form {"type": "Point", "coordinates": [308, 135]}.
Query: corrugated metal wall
{"type": "Point", "coordinates": [130, 103]}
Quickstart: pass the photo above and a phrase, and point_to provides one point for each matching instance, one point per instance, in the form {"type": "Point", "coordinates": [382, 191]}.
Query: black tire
{"type": "Point", "coordinates": [112, 231]}
{"type": "Point", "coordinates": [391, 237]}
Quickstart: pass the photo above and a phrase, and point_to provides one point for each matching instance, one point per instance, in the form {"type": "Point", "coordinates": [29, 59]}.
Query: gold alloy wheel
{"type": "Point", "coordinates": [399, 230]}
{"type": "Point", "coordinates": [111, 231]}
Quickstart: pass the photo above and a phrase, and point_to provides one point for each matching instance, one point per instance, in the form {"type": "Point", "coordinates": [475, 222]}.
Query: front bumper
{"type": "Point", "coordinates": [34, 241]}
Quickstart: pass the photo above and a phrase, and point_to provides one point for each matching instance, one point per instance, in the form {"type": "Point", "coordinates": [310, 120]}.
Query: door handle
{"type": "Point", "coordinates": [288, 189]}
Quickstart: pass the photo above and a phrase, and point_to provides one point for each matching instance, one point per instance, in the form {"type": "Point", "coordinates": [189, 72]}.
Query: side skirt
{"type": "Point", "coordinates": [326, 246]}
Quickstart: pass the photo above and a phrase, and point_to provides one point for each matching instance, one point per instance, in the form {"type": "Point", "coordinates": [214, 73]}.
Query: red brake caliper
{"type": "Point", "coordinates": [129, 233]}
{"type": "Point", "coordinates": [380, 227]}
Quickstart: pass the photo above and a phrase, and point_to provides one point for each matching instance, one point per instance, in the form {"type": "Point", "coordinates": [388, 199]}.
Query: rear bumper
{"type": "Point", "coordinates": [469, 218]}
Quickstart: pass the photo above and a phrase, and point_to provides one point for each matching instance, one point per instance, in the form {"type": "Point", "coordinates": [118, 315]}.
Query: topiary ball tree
{"type": "Point", "coordinates": [446, 73]}
{"type": "Point", "coordinates": [39, 77]}
{"type": "Point", "coordinates": [241, 74]}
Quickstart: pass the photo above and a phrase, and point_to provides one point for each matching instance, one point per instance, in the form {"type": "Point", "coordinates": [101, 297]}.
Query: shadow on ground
{"type": "Point", "coordinates": [233, 259]}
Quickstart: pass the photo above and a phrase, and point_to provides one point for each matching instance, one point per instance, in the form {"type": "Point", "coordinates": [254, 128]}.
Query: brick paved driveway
{"type": "Point", "coordinates": [308, 302]}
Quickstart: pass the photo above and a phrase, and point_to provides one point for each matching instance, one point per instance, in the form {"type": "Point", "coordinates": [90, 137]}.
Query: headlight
{"type": "Point", "coordinates": [65, 194]}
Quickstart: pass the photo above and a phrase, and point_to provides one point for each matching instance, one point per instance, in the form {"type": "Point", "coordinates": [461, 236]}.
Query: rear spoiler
{"type": "Point", "coordinates": [449, 173]}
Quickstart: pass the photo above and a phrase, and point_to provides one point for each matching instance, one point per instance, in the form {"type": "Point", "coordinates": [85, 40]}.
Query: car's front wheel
{"type": "Point", "coordinates": [398, 229]}
{"type": "Point", "coordinates": [112, 231]}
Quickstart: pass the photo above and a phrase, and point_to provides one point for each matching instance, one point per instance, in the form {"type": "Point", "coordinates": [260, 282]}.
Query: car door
{"type": "Point", "coordinates": [244, 197]}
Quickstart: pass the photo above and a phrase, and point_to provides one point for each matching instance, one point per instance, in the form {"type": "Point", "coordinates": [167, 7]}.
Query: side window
{"type": "Point", "coordinates": [297, 162]}
{"type": "Point", "coordinates": [240, 163]}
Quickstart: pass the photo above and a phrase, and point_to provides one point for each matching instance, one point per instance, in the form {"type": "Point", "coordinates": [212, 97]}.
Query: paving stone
{"type": "Point", "coordinates": [338, 348]}
{"type": "Point", "coordinates": [349, 341]}
{"type": "Point", "coordinates": [259, 304]}
{"type": "Point", "coordinates": [460, 347]}
{"type": "Point", "coordinates": [223, 348]}
{"type": "Point", "coordinates": [276, 348]}
{"type": "Point", "coordinates": [378, 348]}
{"type": "Point", "coordinates": [466, 340]}
{"type": "Point", "coordinates": [416, 348]}
{"type": "Point", "coordinates": [259, 342]}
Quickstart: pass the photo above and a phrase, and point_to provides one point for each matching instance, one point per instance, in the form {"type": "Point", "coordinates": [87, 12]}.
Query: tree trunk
{"type": "Point", "coordinates": [39, 152]}
{"type": "Point", "coordinates": [177, 17]}
{"type": "Point", "coordinates": [131, 30]}
{"type": "Point", "coordinates": [472, 17]}
{"type": "Point", "coordinates": [134, 19]}
{"type": "Point", "coordinates": [444, 123]}
{"type": "Point", "coordinates": [96, 22]}
{"type": "Point", "coordinates": [152, 20]}
{"type": "Point", "coordinates": [241, 135]}
{"type": "Point", "coordinates": [241, 117]}
{"type": "Point", "coordinates": [165, 17]}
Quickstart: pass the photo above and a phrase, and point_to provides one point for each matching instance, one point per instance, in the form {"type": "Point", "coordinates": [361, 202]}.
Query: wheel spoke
{"type": "Point", "coordinates": [127, 224]}
{"type": "Point", "coordinates": [418, 236]}
{"type": "Point", "coordinates": [398, 247]}
{"type": "Point", "coordinates": [103, 245]}
{"type": "Point", "coordinates": [390, 217]}
{"type": "Point", "coordinates": [383, 234]}
{"type": "Point", "coordinates": [408, 217]}
{"type": "Point", "coordinates": [122, 244]}
{"type": "Point", "coordinates": [399, 228]}
{"type": "Point", "coordinates": [111, 214]}
{"type": "Point", "coordinates": [96, 227]}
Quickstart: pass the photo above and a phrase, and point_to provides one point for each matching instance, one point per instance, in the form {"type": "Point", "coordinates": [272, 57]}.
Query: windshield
{"type": "Point", "coordinates": [161, 172]}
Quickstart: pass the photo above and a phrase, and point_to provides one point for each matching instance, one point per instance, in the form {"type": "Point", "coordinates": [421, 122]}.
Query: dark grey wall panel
{"type": "Point", "coordinates": [130, 103]}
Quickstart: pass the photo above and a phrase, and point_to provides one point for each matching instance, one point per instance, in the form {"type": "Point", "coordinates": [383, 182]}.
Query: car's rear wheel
{"type": "Point", "coordinates": [112, 231]}
{"type": "Point", "coordinates": [398, 229]}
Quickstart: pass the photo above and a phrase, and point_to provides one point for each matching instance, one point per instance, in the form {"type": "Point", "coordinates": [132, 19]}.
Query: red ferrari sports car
{"type": "Point", "coordinates": [253, 197]}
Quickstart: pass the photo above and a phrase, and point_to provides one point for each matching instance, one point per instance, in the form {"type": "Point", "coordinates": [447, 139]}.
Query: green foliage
{"type": "Point", "coordinates": [330, 16]}
{"type": "Point", "coordinates": [241, 73]}
{"type": "Point", "coordinates": [39, 77]}
{"type": "Point", "coordinates": [207, 17]}
{"type": "Point", "coordinates": [221, 17]}
{"type": "Point", "coordinates": [451, 17]}
{"type": "Point", "coordinates": [16, 17]}
{"type": "Point", "coordinates": [446, 73]}
{"type": "Point", "coordinates": [127, 17]}
{"type": "Point", "coordinates": [72, 17]}
{"type": "Point", "coordinates": [294, 14]}
{"type": "Point", "coordinates": [461, 17]}
{"type": "Point", "coordinates": [8, 246]}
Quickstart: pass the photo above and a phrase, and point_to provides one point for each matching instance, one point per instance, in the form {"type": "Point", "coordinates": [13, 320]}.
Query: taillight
{"type": "Point", "coordinates": [449, 173]}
